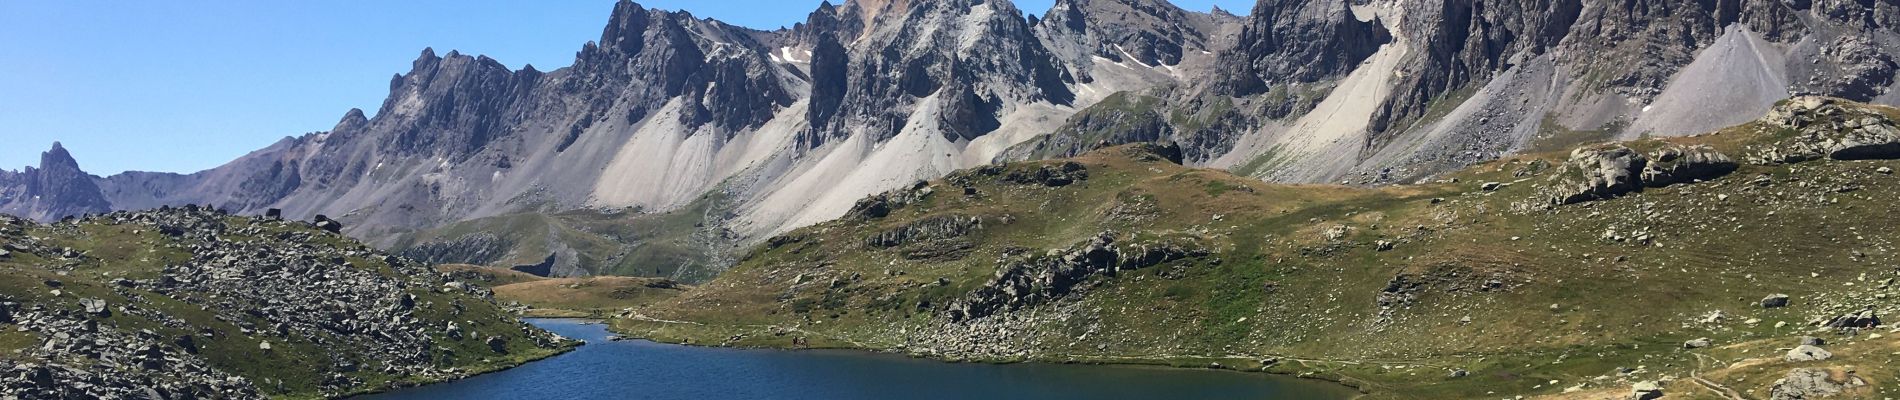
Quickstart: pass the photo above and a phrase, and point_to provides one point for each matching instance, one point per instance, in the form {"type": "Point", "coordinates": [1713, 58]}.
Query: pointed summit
{"type": "Point", "coordinates": [57, 158]}
{"type": "Point", "coordinates": [624, 28]}
{"type": "Point", "coordinates": [351, 121]}
{"type": "Point", "coordinates": [57, 188]}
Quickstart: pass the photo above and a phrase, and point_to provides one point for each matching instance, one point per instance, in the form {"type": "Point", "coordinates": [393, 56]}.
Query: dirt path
{"type": "Point", "coordinates": [1696, 375]}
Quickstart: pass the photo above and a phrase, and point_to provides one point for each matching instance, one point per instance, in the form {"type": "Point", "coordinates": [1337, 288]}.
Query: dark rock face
{"type": "Point", "coordinates": [545, 268]}
{"type": "Point", "coordinates": [1289, 41]}
{"type": "Point", "coordinates": [1865, 319]}
{"type": "Point", "coordinates": [327, 224]}
{"type": "Point", "coordinates": [56, 189]}
{"type": "Point", "coordinates": [1057, 175]}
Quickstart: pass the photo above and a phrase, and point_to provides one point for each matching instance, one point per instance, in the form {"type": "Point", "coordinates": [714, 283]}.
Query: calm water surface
{"type": "Point", "coordinates": [647, 370]}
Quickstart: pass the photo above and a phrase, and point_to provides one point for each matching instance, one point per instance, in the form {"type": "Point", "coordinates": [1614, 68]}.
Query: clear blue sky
{"type": "Point", "coordinates": [184, 85]}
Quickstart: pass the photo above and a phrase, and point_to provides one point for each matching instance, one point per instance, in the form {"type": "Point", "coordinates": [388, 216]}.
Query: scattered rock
{"type": "Point", "coordinates": [1646, 390]}
{"type": "Point", "coordinates": [1804, 353]}
{"type": "Point", "coordinates": [1859, 320]}
{"type": "Point", "coordinates": [1698, 343]}
{"type": "Point", "coordinates": [325, 223]}
{"type": "Point", "coordinates": [1774, 301]}
{"type": "Point", "coordinates": [1812, 341]}
{"type": "Point", "coordinates": [95, 307]}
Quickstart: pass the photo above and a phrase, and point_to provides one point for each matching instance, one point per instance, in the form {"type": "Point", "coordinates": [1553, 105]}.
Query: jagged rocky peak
{"type": "Point", "coordinates": [1147, 32]}
{"type": "Point", "coordinates": [450, 106]}
{"type": "Point", "coordinates": [352, 120]}
{"type": "Point", "coordinates": [1298, 41]}
{"type": "Point", "coordinates": [57, 188]}
{"type": "Point", "coordinates": [976, 58]}
{"type": "Point", "coordinates": [646, 57]}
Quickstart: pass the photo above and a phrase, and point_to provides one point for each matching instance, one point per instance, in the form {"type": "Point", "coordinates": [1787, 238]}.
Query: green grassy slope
{"type": "Point", "coordinates": [1443, 290]}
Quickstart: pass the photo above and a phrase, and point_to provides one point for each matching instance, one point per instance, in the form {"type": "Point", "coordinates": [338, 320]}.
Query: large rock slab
{"type": "Point", "coordinates": [1675, 164]}
{"type": "Point", "coordinates": [1597, 173]}
{"type": "Point", "coordinates": [1819, 127]}
{"type": "Point", "coordinates": [1810, 383]}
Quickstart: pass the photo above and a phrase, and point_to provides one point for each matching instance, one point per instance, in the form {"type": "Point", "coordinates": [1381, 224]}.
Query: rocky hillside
{"type": "Point", "coordinates": [790, 127]}
{"type": "Point", "coordinates": [195, 303]}
{"type": "Point", "coordinates": [1755, 261]}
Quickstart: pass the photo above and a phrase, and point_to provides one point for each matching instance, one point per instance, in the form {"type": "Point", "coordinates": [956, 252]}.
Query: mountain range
{"type": "Point", "coordinates": [712, 136]}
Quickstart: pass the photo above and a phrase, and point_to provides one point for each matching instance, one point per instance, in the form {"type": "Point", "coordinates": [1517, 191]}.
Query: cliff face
{"type": "Point", "coordinates": [791, 127]}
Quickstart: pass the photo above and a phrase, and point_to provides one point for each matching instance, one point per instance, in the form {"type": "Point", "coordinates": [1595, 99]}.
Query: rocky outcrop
{"type": "Point", "coordinates": [1596, 173]}
{"type": "Point", "coordinates": [1864, 319]}
{"type": "Point", "coordinates": [1812, 383]}
{"type": "Point", "coordinates": [1052, 175]}
{"type": "Point", "coordinates": [1804, 353]}
{"type": "Point", "coordinates": [1673, 164]}
{"type": "Point", "coordinates": [1823, 127]}
{"type": "Point", "coordinates": [1041, 279]}
{"type": "Point", "coordinates": [938, 228]}
{"type": "Point", "coordinates": [1608, 171]}
{"type": "Point", "coordinates": [882, 204]}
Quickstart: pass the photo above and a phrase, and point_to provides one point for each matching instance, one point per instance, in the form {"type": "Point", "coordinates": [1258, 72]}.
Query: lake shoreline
{"type": "Point", "coordinates": [571, 346]}
{"type": "Point", "coordinates": [1132, 361]}
{"type": "Point", "coordinates": [612, 363]}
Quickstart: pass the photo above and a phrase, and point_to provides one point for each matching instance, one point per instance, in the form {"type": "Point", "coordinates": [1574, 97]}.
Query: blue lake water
{"type": "Point", "coordinates": [645, 370]}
